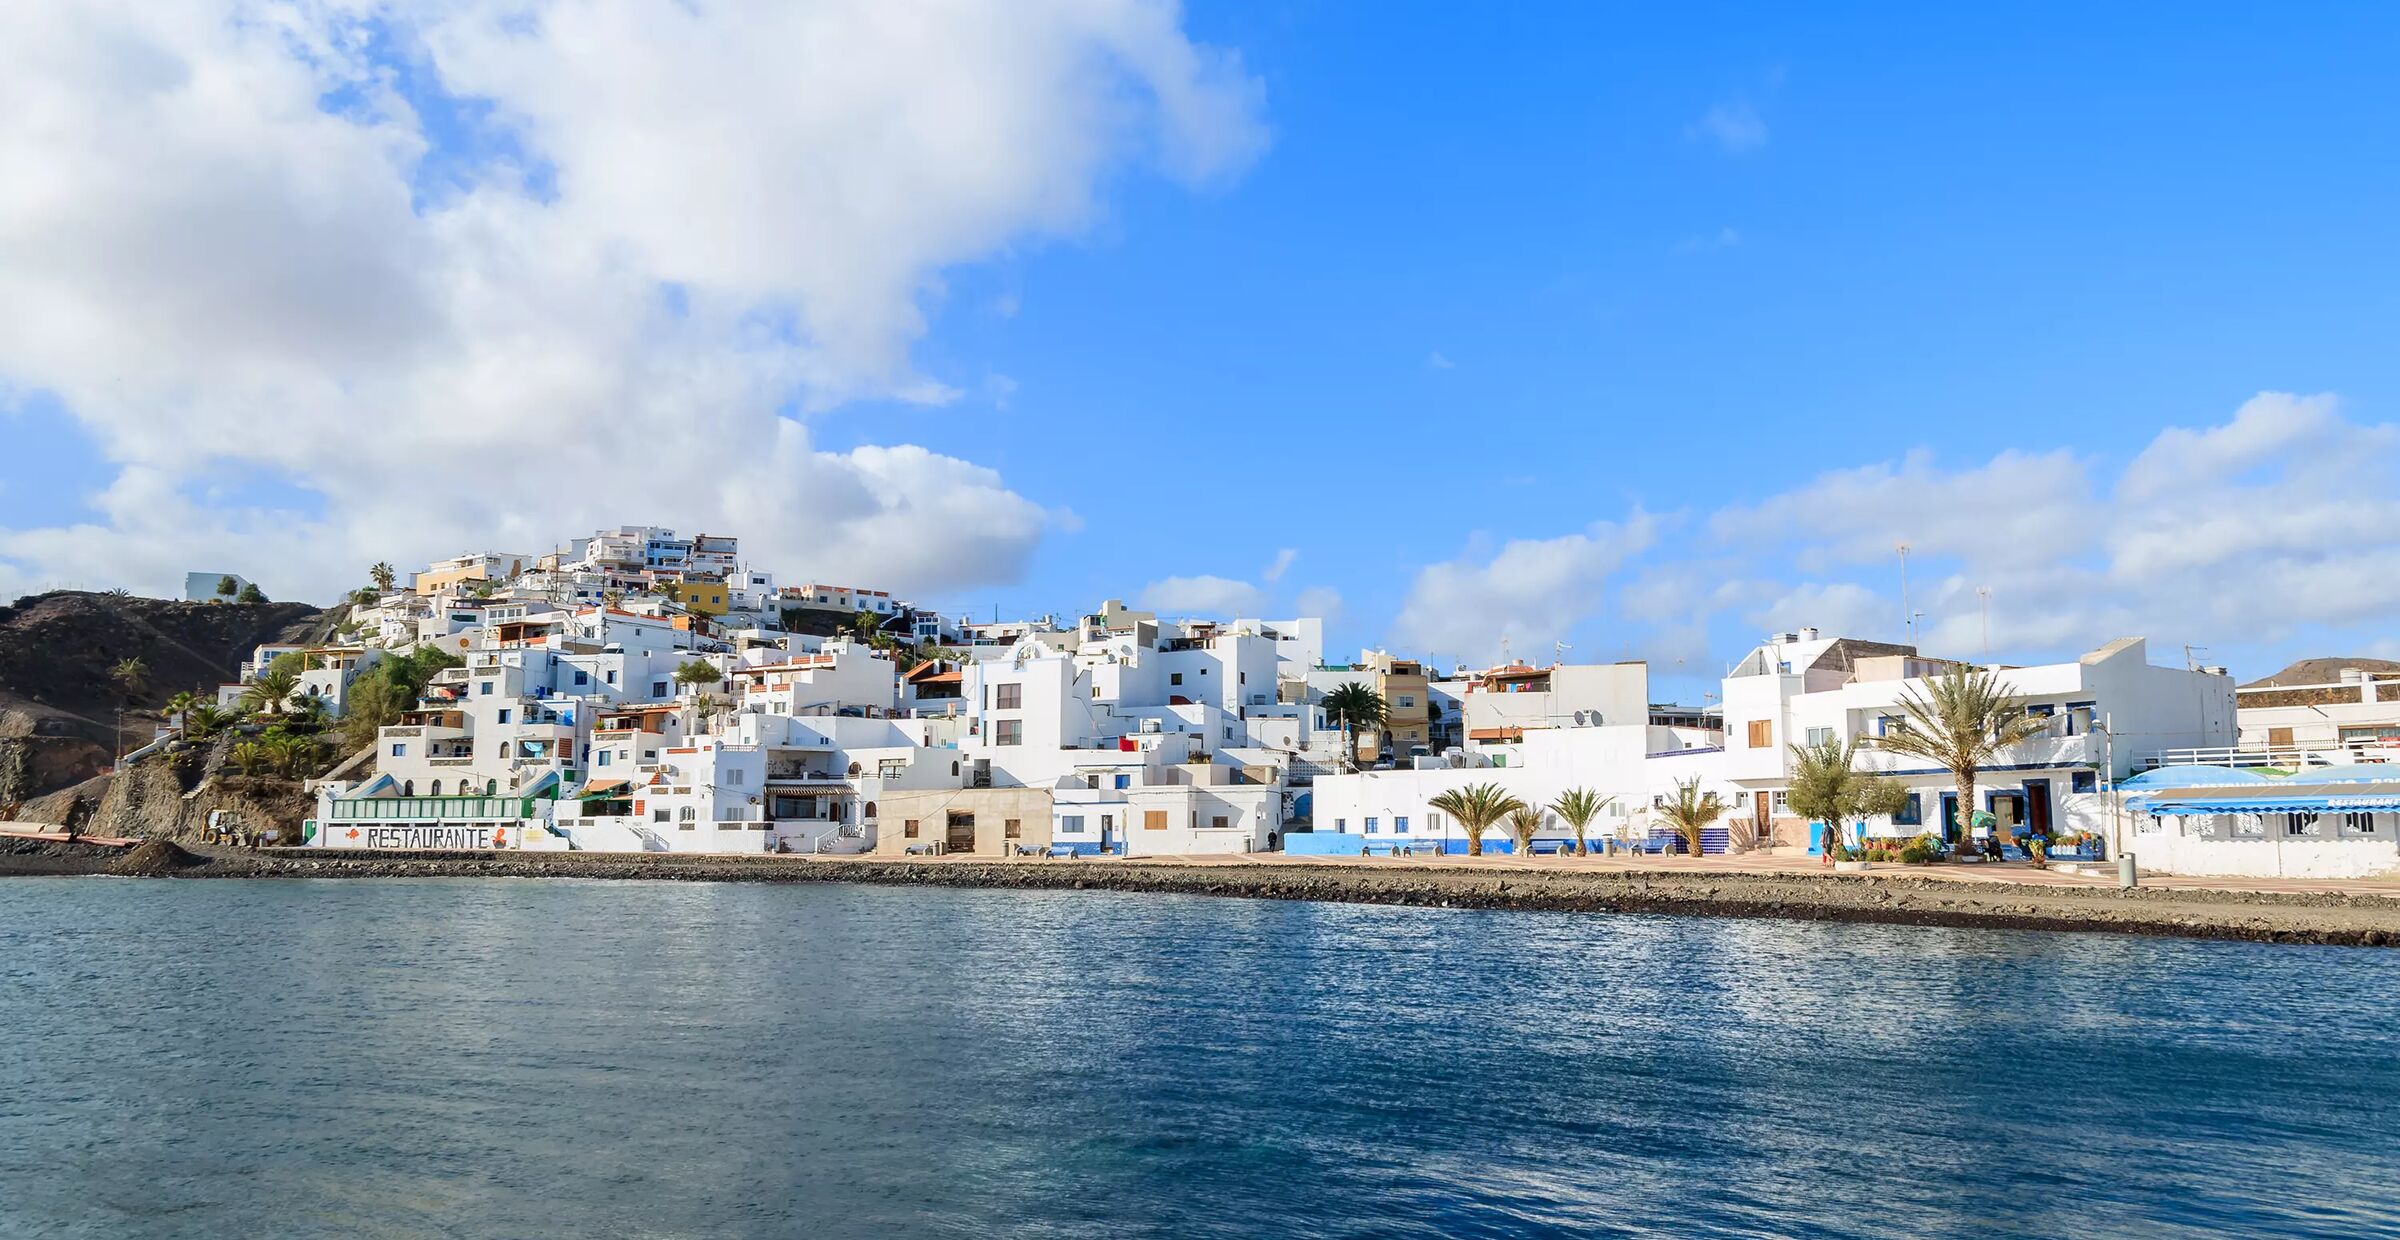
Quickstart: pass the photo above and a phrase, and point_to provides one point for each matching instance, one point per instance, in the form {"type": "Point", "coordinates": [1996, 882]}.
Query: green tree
{"type": "Point", "coordinates": [693, 673]}
{"type": "Point", "coordinates": [227, 587]}
{"type": "Point", "coordinates": [251, 594]}
{"type": "Point", "coordinates": [865, 625]}
{"type": "Point", "coordinates": [291, 754]}
{"type": "Point", "coordinates": [1964, 720]}
{"type": "Point", "coordinates": [181, 706]}
{"type": "Point", "coordinates": [307, 712]}
{"type": "Point", "coordinates": [251, 756]}
{"type": "Point", "coordinates": [1477, 807]}
{"type": "Point", "coordinates": [1578, 807]}
{"type": "Point", "coordinates": [383, 576]}
{"type": "Point", "coordinates": [129, 675]}
{"type": "Point", "coordinates": [1522, 823]}
{"type": "Point", "coordinates": [1690, 811]}
{"type": "Point", "coordinates": [1352, 705]}
{"type": "Point", "coordinates": [268, 691]}
{"type": "Point", "coordinates": [206, 720]}
{"type": "Point", "coordinates": [1827, 787]}
{"type": "Point", "coordinates": [377, 698]}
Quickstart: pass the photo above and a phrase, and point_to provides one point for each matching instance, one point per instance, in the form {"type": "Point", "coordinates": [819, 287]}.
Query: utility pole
{"type": "Point", "coordinates": [1908, 618]}
{"type": "Point", "coordinates": [1985, 593]}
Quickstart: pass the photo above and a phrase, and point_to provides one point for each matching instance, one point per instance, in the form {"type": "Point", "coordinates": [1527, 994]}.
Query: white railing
{"type": "Point", "coordinates": [2288, 757]}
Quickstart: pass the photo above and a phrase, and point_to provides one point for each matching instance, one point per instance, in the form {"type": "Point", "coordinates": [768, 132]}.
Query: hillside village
{"type": "Point", "coordinates": [641, 691]}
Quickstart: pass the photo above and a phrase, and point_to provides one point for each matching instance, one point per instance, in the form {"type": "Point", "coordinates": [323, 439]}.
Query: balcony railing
{"type": "Point", "coordinates": [2288, 757]}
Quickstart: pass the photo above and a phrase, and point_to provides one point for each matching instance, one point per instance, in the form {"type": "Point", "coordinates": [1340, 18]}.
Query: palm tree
{"type": "Point", "coordinates": [206, 719]}
{"type": "Point", "coordinates": [1828, 787]}
{"type": "Point", "coordinates": [1522, 823]}
{"type": "Point", "coordinates": [293, 755]}
{"type": "Point", "coordinates": [269, 690]}
{"type": "Point", "coordinates": [250, 755]}
{"type": "Point", "coordinates": [865, 625]}
{"type": "Point", "coordinates": [383, 577]}
{"type": "Point", "coordinates": [127, 676]}
{"type": "Point", "coordinates": [1477, 807]}
{"type": "Point", "coordinates": [1578, 806]}
{"type": "Point", "coordinates": [181, 706]}
{"type": "Point", "coordinates": [1352, 705]}
{"type": "Point", "coordinates": [1690, 811]}
{"type": "Point", "coordinates": [1964, 720]}
{"type": "Point", "coordinates": [307, 711]}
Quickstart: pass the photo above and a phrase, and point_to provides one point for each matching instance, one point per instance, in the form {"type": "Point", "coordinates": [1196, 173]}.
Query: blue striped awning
{"type": "Point", "coordinates": [2275, 805]}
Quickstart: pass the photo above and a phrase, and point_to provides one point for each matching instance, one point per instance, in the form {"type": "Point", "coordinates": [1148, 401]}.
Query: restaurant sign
{"type": "Point", "coordinates": [460, 839]}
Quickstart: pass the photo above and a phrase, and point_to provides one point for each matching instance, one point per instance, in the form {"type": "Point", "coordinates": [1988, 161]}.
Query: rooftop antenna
{"type": "Point", "coordinates": [1985, 593]}
{"type": "Point", "coordinates": [1909, 617]}
{"type": "Point", "coordinates": [1560, 656]}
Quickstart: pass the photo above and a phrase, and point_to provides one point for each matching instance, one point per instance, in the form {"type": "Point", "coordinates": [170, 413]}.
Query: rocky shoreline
{"type": "Point", "coordinates": [1890, 899]}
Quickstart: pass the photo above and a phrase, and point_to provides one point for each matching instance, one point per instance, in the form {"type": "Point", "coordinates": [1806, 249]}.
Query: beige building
{"type": "Point", "coordinates": [983, 822]}
{"type": "Point", "coordinates": [1407, 700]}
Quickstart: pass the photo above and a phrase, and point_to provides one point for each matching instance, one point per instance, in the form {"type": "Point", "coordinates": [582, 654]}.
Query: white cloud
{"type": "Point", "coordinates": [2271, 528]}
{"type": "Point", "coordinates": [1283, 564]}
{"type": "Point", "coordinates": [1530, 592]}
{"type": "Point", "coordinates": [1202, 596]}
{"type": "Point", "coordinates": [1437, 361]}
{"type": "Point", "coordinates": [1323, 602]}
{"type": "Point", "coordinates": [1733, 125]}
{"type": "Point", "coordinates": [719, 211]}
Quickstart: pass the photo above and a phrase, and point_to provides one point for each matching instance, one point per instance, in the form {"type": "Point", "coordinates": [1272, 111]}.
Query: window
{"type": "Point", "coordinates": [612, 678]}
{"type": "Point", "coordinates": [1012, 827]}
{"type": "Point", "coordinates": [1341, 824]}
{"type": "Point", "coordinates": [1008, 732]}
{"type": "Point", "coordinates": [2084, 781]}
{"type": "Point", "coordinates": [400, 751]}
{"type": "Point", "coordinates": [1071, 824]}
{"type": "Point", "coordinates": [1154, 820]}
{"type": "Point", "coordinates": [736, 776]}
{"type": "Point", "coordinates": [605, 755]}
{"type": "Point", "coordinates": [1433, 822]}
{"type": "Point", "coordinates": [688, 813]}
{"type": "Point", "coordinates": [1124, 781]}
{"type": "Point", "coordinates": [1400, 825]}
{"type": "Point", "coordinates": [1092, 782]}
{"type": "Point", "coordinates": [1107, 821]}
{"type": "Point", "coordinates": [908, 828]}
{"type": "Point", "coordinates": [437, 789]}
{"type": "Point", "coordinates": [1220, 822]}
{"type": "Point", "coordinates": [1372, 827]}
{"type": "Point", "coordinates": [1820, 736]}
{"type": "Point", "coordinates": [504, 715]}
{"type": "Point", "coordinates": [2359, 823]}
{"type": "Point", "coordinates": [1762, 733]}
{"type": "Point", "coordinates": [658, 688]}
{"type": "Point", "coordinates": [658, 815]}
{"type": "Point", "coordinates": [1009, 697]}
{"type": "Point", "coordinates": [1911, 813]}
{"type": "Point", "coordinates": [1779, 801]}
{"type": "Point", "coordinates": [1174, 678]}
{"type": "Point", "coordinates": [483, 688]}
{"type": "Point", "coordinates": [1404, 701]}
{"type": "Point", "coordinates": [581, 678]}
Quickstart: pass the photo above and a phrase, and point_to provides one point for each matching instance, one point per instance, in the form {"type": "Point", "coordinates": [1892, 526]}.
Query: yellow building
{"type": "Point", "coordinates": [705, 598]}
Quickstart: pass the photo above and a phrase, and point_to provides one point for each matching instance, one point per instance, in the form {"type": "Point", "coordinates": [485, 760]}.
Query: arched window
{"type": "Point", "coordinates": [954, 767]}
{"type": "Point", "coordinates": [409, 788]}
{"type": "Point", "coordinates": [437, 789]}
{"type": "Point", "coordinates": [491, 787]}
{"type": "Point", "coordinates": [854, 770]}
{"type": "Point", "coordinates": [870, 809]}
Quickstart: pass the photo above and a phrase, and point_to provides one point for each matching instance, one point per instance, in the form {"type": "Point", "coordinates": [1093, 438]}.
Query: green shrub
{"type": "Point", "coordinates": [1918, 851]}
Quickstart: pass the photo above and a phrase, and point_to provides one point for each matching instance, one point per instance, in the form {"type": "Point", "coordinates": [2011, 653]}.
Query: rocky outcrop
{"type": "Point", "coordinates": [172, 796]}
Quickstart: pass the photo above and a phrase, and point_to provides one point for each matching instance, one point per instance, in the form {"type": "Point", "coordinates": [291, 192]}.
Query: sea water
{"type": "Point", "coordinates": [543, 1057]}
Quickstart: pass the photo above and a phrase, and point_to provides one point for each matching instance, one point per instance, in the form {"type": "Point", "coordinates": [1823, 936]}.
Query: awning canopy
{"type": "Point", "coordinates": [2193, 776]}
{"type": "Point", "coordinates": [2275, 805]}
{"type": "Point", "coordinates": [603, 788]}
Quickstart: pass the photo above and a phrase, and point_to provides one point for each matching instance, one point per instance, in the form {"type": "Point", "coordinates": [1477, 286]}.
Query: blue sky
{"type": "Point", "coordinates": [1476, 277]}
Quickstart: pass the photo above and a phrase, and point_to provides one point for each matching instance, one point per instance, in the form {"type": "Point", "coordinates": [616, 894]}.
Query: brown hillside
{"type": "Point", "coordinates": [56, 651]}
{"type": "Point", "coordinates": [2323, 671]}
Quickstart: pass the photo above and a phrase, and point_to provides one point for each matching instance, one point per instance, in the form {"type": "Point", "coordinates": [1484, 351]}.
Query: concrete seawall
{"type": "Point", "coordinates": [1893, 899]}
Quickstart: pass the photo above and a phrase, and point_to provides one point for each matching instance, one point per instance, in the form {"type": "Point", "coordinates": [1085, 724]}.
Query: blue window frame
{"type": "Point", "coordinates": [2084, 781]}
{"type": "Point", "coordinates": [1912, 812]}
{"type": "Point", "coordinates": [1400, 825]}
